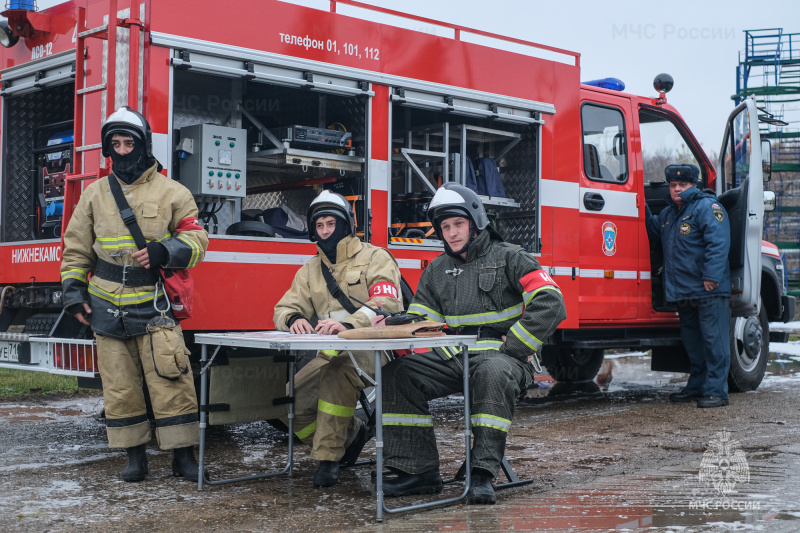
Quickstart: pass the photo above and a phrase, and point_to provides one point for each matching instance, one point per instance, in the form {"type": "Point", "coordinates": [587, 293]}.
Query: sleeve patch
{"type": "Point", "coordinates": [188, 224]}
{"type": "Point", "coordinates": [535, 280]}
{"type": "Point", "coordinates": [383, 288]}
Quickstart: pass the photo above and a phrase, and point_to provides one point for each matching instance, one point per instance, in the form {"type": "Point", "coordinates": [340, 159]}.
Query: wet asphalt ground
{"type": "Point", "coordinates": [617, 456]}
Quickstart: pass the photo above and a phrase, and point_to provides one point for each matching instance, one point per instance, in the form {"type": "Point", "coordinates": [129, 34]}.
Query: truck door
{"type": "Point", "coordinates": [609, 224]}
{"type": "Point", "coordinates": [664, 141]}
{"type": "Point", "coordinates": [740, 188]}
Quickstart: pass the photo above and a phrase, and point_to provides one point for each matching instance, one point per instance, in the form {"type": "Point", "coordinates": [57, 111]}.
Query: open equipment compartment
{"type": "Point", "coordinates": [431, 146]}
{"type": "Point", "coordinates": [293, 141]}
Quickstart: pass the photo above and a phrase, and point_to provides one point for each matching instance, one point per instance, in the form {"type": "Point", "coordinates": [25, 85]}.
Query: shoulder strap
{"type": "Point", "coordinates": [128, 217]}
{"type": "Point", "coordinates": [335, 290]}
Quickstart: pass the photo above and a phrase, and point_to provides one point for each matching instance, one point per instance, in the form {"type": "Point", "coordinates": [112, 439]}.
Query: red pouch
{"type": "Point", "coordinates": [179, 286]}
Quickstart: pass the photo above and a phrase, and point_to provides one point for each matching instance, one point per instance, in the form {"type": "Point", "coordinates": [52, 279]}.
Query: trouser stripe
{"type": "Point", "coordinates": [306, 431]}
{"type": "Point", "coordinates": [336, 410]}
{"type": "Point", "coordinates": [491, 421]}
{"type": "Point", "coordinates": [393, 419]}
{"type": "Point", "coordinates": [177, 420]}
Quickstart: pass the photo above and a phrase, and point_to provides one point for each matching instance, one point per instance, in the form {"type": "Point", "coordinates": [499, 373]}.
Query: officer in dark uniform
{"type": "Point", "coordinates": [695, 236]}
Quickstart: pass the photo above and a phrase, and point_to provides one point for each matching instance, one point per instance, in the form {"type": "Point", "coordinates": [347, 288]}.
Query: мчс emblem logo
{"type": "Point", "coordinates": [609, 238]}
{"type": "Point", "coordinates": [685, 228]}
{"type": "Point", "coordinates": [724, 464]}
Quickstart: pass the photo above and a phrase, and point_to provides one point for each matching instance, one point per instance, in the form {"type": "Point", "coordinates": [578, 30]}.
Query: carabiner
{"type": "Point", "coordinates": [159, 283]}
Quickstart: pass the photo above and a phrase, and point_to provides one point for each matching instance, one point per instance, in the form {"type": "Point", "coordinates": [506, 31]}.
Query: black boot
{"type": "Point", "coordinates": [429, 482]}
{"type": "Point", "coordinates": [352, 452]}
{"type": "Point", "coordinates": [327, 475]}
{"type": "Point", "coordinates": [185, 465]}
{"type": "Point", "coordinates": [481, 491]}
{"type": "Point", "coordinates": [137, 464]}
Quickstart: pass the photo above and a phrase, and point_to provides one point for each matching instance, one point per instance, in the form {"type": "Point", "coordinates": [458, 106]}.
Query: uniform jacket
{"type": "Point", "coordinates": [499, 286]}
{"type": "Point", "coordinates": [96, 231]}
{"type": "Point", "coordinates": [695, 239]}
{"type": "Point", "coordinates": [363, 271]}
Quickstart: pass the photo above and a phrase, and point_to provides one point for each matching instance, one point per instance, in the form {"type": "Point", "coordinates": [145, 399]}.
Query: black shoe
{"type": "Point", "coordinates": [684, 397]}
{"type": "Point", "coordinates": [429, 482]}
{"type": "Point", "coordinates": [481, 491]}
{"type": "Point", "coordinates": [185, 465]}
{"type": "Point", "coordinates": [712, 401]}
{"type": "Point", "coordinates": [327, 474]}
{"type": "Point", "coordinates": [352, 452]}
{"type": "Point", "coordinates": [137, 464]}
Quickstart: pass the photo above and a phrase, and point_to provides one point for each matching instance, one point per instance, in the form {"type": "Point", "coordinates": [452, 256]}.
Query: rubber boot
{"type": "Point", "coordinates": [185, 465]}
{"type": "Point", "coordinates": [327, 474]}
{"type": "Point", "coordinates": [137, 464]}
{"type": "Point", "coordinates": [481, 491]}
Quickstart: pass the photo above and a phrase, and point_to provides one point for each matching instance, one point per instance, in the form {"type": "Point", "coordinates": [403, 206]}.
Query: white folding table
{"type": "Point", "coordinates": [287, 342]}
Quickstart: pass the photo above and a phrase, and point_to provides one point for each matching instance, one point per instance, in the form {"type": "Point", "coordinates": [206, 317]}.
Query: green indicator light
{"type": "Point", "coordinates": [210, 172]}
{"type": "Point", "coordinates": [237, 176]}
{"type": "Point", "coordinates": [216, 142]}
{"type": "Point", "coordinates": [219, 173]}
{"type": "Point", "coordinates": [228, 175]}
{"type": "Point", "coordinates": [233, 144]}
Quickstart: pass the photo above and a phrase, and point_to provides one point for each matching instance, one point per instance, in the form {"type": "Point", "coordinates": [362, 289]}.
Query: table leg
{"type": "Point", "coordinates": [203, 414]}
{"type": "Point", "coordinates": [467, 421]}
{"type": "Point", "coordinates": [379, 432]}
{"type": "Point", "coordinates": [291, 417]}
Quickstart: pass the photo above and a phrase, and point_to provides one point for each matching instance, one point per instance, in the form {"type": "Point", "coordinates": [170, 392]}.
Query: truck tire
{"type": "Point", "coordinates": [573, 365]}
{"type": "Point", "coordinates": [749, 351]}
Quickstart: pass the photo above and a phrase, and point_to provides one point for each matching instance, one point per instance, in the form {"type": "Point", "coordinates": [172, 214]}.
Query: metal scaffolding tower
{"type": "Point", "coordinates": [769, 70]}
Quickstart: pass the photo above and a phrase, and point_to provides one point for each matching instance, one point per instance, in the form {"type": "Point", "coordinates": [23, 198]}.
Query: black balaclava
{"type": "Point", "coordinates": [328, 246]}
{"type": "Point", "coordinates": [130, 166]}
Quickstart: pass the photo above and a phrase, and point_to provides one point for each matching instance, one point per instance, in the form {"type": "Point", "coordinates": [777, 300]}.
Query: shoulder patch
{"type": "Point", "coordinates": [716, 206]}
{"type": "Point", "coordinates": [535, 280]}
{"type": "Point", "coordinates": [719, 215]}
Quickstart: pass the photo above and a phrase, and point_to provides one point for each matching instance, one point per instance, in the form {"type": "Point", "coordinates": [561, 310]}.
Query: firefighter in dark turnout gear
{"type": "Point", "coordinates": [118, 300]}
{"type": "Point", "coordinates": [482, 286]}
{"type": "Point", "coordinates": [695, 236]}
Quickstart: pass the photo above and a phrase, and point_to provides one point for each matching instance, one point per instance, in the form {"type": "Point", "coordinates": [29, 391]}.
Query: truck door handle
{"type": "Point", "coordinates": [593, 201]}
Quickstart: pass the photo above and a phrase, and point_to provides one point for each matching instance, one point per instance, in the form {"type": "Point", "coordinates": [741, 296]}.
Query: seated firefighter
{"type": "Point", "coordinates": [327, 389]}
{"type": "Point", "coordinates": [482, 286]}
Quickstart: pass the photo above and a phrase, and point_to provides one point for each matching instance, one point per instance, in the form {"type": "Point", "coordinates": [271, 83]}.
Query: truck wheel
{"type": "Point", "coordinates": [749, 351]}
{"type": "Point", "coordinates": [572, 365]}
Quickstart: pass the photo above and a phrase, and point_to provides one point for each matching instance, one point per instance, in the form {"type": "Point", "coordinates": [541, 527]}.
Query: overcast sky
{"type": "Point", "coordinates": [696, 41]}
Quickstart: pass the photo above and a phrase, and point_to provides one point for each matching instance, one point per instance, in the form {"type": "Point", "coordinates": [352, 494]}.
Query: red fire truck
{"type": "Point", "coordinates": [259, 108]}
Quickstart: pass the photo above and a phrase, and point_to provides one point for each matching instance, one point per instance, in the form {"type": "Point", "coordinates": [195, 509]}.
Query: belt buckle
{"type": "Point", "coordinates": [125, 275]}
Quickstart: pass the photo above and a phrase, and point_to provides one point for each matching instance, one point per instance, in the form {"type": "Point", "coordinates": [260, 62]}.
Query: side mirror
{"type": "Point", "coordinates": [766, 159]}
{"type": "Point", "coordinates": [769, 201]}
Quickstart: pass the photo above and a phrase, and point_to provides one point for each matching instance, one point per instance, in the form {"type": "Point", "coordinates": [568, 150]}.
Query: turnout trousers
{"type": "Point", "coordinates": [409, 383]}
{"type": "Point", "coordinates": [123, 365]}
{"type": "Point", "coordinates": [326, 394]}
{"type": "Point", "coordinates": [705, 332]}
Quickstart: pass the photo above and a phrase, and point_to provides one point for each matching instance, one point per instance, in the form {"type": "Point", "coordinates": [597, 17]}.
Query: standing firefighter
{"type": "Point", "coordinates": [480, 286]}
{"type": "Point", "coordinates": [121, 298]}
{"type": "Point", "coordinates": [328, 388]}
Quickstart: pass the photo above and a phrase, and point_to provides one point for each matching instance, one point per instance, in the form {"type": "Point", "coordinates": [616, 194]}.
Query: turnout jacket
{"type": "Point", "coordinates": [363, 271]}
{"type": "Point", "coordinates": [499, 287]}
{"type": "Point", "coordinates": [165, 211]}
{"type": "Point", "coordinates": [695, 239]}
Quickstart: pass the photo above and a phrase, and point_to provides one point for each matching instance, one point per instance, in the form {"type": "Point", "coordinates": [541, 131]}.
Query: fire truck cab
{"type": "Point", "coordinates": [256, 113]}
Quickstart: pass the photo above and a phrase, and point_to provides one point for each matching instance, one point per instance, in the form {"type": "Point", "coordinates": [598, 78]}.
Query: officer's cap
{"type": "Point", "coordinates": [689, 173]}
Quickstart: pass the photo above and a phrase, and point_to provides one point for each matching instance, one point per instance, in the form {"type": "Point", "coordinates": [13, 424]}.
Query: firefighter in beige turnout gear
{"type": "Point", "coordinates": [327, 389]}
{"type": "Point", "coordinates": [119, 300]}
{"type": "Point", "coordinates": [482, 286]}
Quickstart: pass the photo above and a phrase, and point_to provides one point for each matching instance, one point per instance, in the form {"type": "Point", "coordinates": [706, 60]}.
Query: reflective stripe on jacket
{"type": "Point", "coordinates": [494, 287]}
{"type": "Point", "coordinates": [96, 231]}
